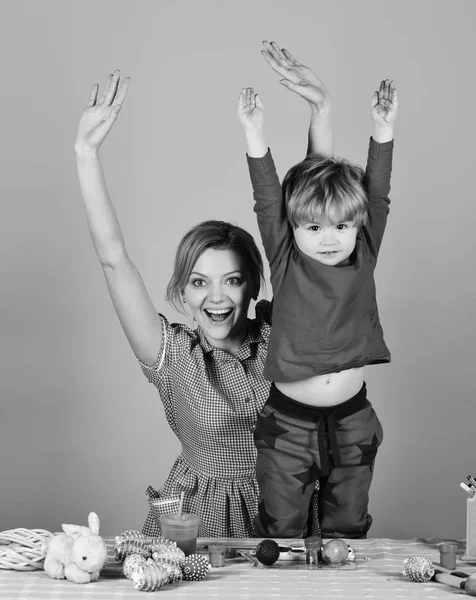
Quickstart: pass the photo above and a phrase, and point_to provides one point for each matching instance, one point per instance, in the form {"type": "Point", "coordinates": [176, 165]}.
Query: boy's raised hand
{"type": "Point", "coordinates": [101, 112]}
{"type": "Point", "coordinates": [250, 110]}
{"type": "Point", "coordinates": [296, 76]}
{"type": "Point", "coordinates": [385, 104]}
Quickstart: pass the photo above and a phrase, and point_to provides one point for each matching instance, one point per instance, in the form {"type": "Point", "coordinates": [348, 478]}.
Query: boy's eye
{"type": "Point", "coordinates": [314, 228]}
{"type": "Point", "coordinates": [341, 226]}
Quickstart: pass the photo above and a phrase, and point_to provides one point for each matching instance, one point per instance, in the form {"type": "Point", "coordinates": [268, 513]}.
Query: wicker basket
{"type": "Point", "coordinates": [23, 549]}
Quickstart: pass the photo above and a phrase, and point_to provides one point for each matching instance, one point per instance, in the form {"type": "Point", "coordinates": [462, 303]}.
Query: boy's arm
{"type": "Point", "coordinates": [269, 203]}
{"type": "Point", "coordinates": [304, 82]}
{"type": "Point", "coordinates": [379, 163]}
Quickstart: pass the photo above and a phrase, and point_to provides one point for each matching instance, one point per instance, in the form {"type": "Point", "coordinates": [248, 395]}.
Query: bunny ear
{"type": "Point", "coordinates": [75, 531]}
{"type": "Point", "coordinates": [93, 521]}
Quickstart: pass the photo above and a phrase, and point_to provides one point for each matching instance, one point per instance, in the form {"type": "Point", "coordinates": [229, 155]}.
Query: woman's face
{"type": "Point", "coordinates": [218, 293]}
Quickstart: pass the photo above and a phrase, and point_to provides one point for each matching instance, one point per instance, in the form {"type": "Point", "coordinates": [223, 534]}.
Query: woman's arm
{"type": "Point", "coordinates": [305, 83]}
{"type": "Point", "coordinates": [130, 298]}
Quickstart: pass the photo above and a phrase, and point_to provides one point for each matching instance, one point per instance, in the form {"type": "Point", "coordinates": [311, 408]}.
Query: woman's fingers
{"type": "Point", "coordinates": [93, 96]}
{"type": "Point", "coordinates": [110, 93]}
{"type": "Point", "coordinates": [101, 98]}
{"type": "Point", "coordinates": [290, 57]}
{"type": "Point", "coordinates": [102, 129]}
{"type": "Point", "coordinates": [122, 93]}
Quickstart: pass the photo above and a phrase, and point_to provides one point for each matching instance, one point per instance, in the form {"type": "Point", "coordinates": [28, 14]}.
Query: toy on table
{"type": "Point", "coordinates": [151, 563]}
{"type": "Point", "coordinates": [23, 549]}
{"type": "Point", "coordinates": [195, 567]}
{"type": "Point", "coordinates": [448, 555]}
{"type": "Point", "coordinates": [267, 552]}
{"type": "Point", "coordinates": [78, 554]}
{"type": "Point", "coordinates": [421, 570]}
{"type": "Point", "coordinates": [335, 552]}
{"type": "Point", "coordinates": [470, 554]}
{"type": "Point", "coordinates": [313, 548]}
{"type": "Point", "coordinates": [216, 554]}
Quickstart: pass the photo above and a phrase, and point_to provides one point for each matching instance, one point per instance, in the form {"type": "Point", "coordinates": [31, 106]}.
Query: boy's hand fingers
{"type": "Point", "coordinates": [258, 101]}
{"type": "Point", "coordinates": [375, 99]}
{"type": "Point", "coordinates": [394, 97]}
{"type": "Point", "coordinates": [250, 96]}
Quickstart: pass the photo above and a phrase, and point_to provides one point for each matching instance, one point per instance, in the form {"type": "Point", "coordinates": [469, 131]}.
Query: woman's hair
{"type": "Point", "coordinates": [325, 189]}
{"type": "Point", "coordinates": [220, 236]}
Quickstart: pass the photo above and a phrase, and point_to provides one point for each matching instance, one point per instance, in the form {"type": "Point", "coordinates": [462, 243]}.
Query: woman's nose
{"type": "Point", "coordinates": [216, 293]}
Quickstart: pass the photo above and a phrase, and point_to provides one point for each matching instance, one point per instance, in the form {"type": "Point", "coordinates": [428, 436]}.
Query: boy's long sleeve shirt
{"type": "Point", "coordinates": [325, 318]}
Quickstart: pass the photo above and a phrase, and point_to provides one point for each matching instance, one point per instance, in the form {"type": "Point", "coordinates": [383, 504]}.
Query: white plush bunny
{"type": "Point", "coordinates": [78, 554]}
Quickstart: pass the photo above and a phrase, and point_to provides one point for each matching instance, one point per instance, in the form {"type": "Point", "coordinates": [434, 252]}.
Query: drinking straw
{"type": "Point", "coordinates": [181, 504]}
{"type": "Point", "coordinates": [165, 502]}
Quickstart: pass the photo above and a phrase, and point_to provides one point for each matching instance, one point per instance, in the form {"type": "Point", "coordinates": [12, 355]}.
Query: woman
{"type": "Point", "coordinates": [209, 378]}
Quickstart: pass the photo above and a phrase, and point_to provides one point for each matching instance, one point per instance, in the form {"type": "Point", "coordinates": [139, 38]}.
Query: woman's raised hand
{"type": "Point", "coordinates": [100, 114]}
{"type": "Point", "coordinates": [296, 77]}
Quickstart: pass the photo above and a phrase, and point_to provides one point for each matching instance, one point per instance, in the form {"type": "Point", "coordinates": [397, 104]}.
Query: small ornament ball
{"type": "Point", "coordinates": [195, 567]}
{"type": "Point", "coordinates": [335, 552]}
{"type": "Point", "coordinates": [267, 552]}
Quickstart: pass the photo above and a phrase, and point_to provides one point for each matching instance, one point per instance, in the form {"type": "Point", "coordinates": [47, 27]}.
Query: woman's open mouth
{"type": "Point", "coordinates": [218, 315]}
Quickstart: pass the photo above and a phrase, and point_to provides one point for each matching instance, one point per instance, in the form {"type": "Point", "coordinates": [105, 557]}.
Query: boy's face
{"type": "Point", "coordinates": [327, 243]}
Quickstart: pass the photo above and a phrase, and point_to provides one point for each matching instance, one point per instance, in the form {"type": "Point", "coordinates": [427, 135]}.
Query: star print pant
{"type": "Point", "coordinates": [299, 445]}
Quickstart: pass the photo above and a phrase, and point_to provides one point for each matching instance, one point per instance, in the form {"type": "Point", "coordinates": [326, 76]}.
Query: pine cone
{"type": "Point", "coordinates": [150, 577]}
{"type": "Point", "coordinates": [418, 568]}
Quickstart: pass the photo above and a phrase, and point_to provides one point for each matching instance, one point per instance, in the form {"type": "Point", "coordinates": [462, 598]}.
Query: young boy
{"type": "Point", "coordinates": [321, 232]}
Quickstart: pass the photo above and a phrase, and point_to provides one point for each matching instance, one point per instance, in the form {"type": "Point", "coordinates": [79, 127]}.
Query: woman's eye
{"type": "Point", "coordinates": [234, 280]}
{"type": "Point", "coordinates": [198, 282]}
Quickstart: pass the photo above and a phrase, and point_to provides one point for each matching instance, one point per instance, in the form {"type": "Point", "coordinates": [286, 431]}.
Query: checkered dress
{"type": "Point", "coordinates": [212, 401]}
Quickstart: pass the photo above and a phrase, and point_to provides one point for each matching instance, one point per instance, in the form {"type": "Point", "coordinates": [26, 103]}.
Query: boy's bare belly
{"type": "Point", "coordinates": [324, 390]}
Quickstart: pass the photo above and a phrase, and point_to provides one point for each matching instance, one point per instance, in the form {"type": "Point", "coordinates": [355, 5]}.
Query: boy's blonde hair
{"type": "Point", "coordinates": [220, 236]}
{"type": "Point", "coordinates": [325, 190]}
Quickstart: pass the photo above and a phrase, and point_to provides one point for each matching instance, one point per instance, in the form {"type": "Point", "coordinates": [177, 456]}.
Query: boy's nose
{"type": "Point", "coordinates": [328, 238]}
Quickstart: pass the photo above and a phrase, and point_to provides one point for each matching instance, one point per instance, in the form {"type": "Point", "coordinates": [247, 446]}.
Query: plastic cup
{"type": "Point", "coordinates": [216, 554]}
{"type": "Point", "coordinates": [182, 529]}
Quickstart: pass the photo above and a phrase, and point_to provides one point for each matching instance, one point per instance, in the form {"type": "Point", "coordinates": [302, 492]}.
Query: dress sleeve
{"type": "Point", "coordinates": [270, 209]}
{"type": "Point", "coordinates": [177, 340]}
{"type": "Point", "coordinates": [377, 185]}
{"type": "Point", "coordinates": [151, 371]}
